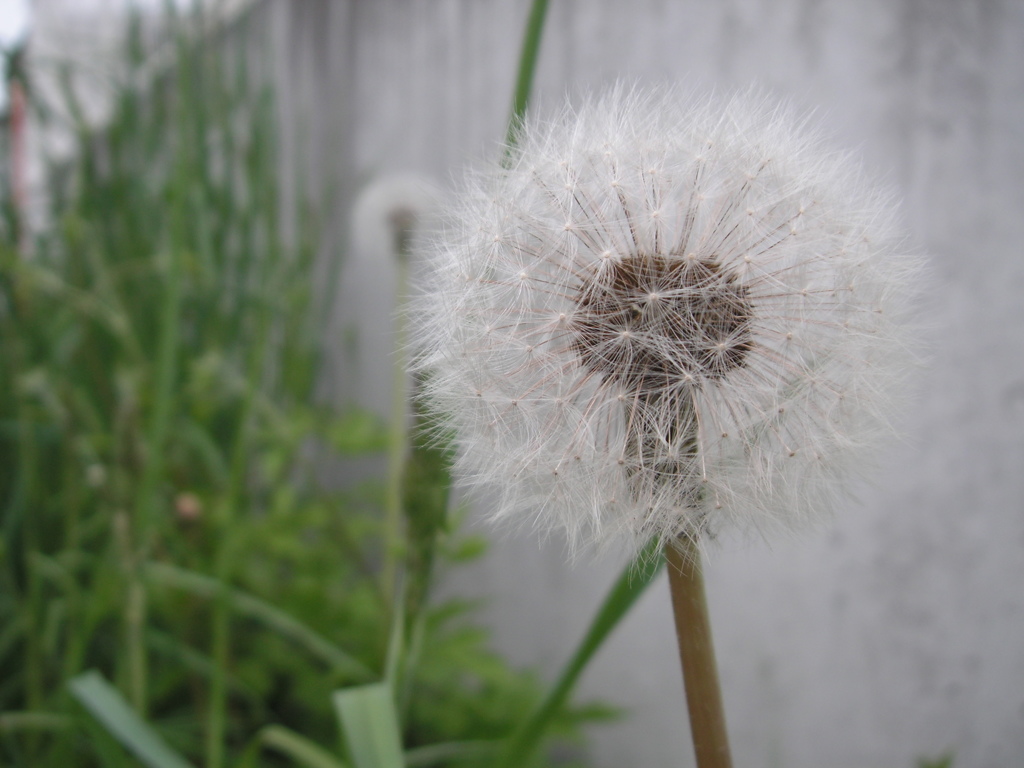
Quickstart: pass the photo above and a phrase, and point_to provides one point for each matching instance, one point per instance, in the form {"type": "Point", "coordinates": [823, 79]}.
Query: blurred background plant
{"type": "Point", "coordinates": [174, 576]}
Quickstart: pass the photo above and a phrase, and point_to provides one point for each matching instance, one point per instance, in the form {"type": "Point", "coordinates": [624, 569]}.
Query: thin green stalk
{"type": "Point", "coordinates": [637, 576]}
{"type": "Point", "coordinates": [223, 567]}
{"type": "Point", "coordinates": [414, 651]}
{"type": "Point", "coordinates": [396, 647]}
{"type": "Point", "coordinates": [226, 550]}
{"type": "Point", "coordinates": [263, 263]}
{"type": "Point", "coordinates": [216, 719]}
{"type": "Point", "coordinates": [27, 461]}
{"type": "Point", "coordinates": [14, 516]}
{"type": "Point", "coordinates": [524, 78]}
{"type": "Point", "coordinates": [165, 376]}
{"type": "Point", "coordinates": [137, 601]}
{"type": "Point", "coordinates": [398, 439]}
{"type": "Point", "coordinates": [191, 188]}
{"type": "Point", "coordinates": [35, 603]}
{"type": "Point", "coordinates": [200, 585]}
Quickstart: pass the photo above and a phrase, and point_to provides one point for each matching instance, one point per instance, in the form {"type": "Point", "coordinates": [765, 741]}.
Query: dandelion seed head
{"type": "Point", "coordinates": [700, 329]}
{"type": "Point", "coordinates": [675, 344]}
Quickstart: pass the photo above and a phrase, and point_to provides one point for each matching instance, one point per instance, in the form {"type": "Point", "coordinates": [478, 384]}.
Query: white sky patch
{"type": "Point", "coordinates": [14, 23]}
{"type": "Point", "coordinates": [14, 16]}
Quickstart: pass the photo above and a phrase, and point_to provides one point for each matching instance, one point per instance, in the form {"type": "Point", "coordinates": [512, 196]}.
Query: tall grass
{"type": "Point", "coordinates": [160, 520]}
{"type": "Point", "coordinates": [158, 354]}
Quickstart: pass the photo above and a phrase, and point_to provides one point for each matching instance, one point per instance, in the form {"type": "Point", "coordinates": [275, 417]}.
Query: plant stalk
{"type": "Point", "coordinates": [524, 742]}
{"type": "Point", "coordinates": [216, 719]}
{"type": "Point", "coordinates": [697, 654]}
{"type": "Point", "coordinates": [398, 438]}
{"type": "Point", "coordinates": [524, 76]}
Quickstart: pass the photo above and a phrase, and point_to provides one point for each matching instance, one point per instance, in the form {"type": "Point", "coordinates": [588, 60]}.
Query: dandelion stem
{"type": "Point", "coordinates": [697, 654]}
{"type": "Point", "coordinates": [398, 438]}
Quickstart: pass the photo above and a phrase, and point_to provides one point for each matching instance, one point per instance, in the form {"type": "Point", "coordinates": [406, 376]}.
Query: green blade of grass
{"type": "Point", "coordinates": [12, 722]}
{"type": "Point", "coordinates": [449, 752]}
{"type": "Point", "coordinates": [524, 77]}
{"type": "Point", "coordinates": [177, 652]}
{"type": "Point", "coordinates": [637, 576]}
{"type": "Point", "coordinates": [106, 704]}
{"type": "Point", "coordinates": [396, 643]}
{"type": "Point", "coordinates": [248, 605]}
{"type": "Point", "coordinates": [300, 749]}
{"type": "Point", "coordinates": [370, 725]}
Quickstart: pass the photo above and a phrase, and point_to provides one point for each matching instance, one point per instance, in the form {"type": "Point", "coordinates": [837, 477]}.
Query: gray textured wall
{"type": "Point", "coordinates": [897, 631]}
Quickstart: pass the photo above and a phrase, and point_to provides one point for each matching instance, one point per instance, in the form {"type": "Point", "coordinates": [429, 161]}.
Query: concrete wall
{"type": "Point", "coordinates": [895, 632]}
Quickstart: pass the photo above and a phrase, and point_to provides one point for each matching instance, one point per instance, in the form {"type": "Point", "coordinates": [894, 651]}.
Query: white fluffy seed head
{"type": "Point", "coordinates": [665, 317]}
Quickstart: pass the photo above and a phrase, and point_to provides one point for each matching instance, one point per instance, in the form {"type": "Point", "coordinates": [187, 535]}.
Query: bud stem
{"type": "Point", "coordinates": [697, 654]}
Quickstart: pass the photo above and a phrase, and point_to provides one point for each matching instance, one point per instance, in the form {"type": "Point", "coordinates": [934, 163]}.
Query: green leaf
{"type": "Point", "coordinates": [300, 749]}
{"type": "Point", "coordinates": [370, 725]}
{"type": "Point", "coordinates": [253, 607]}
{"type": "Point", "coordinates": [396, 644]}
{"type": "Point", "coordinates": [445, 753]}
{"type": "Point", "coordinates": [107, 705]}
{"type": "Point", "coordinates": [637, 576]}
{"type": "Point", "coordinates": [358, 431]}
{"type": "Point", "coordinates": [188, 658]}
{"type": "Point", "coordinates": [11, 722]}
{"type": "Point", "coordinates": [468, 548]}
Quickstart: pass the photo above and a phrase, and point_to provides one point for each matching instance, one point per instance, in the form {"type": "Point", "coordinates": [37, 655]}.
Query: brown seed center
{"type": "Point", "coordinates": [656, 323]}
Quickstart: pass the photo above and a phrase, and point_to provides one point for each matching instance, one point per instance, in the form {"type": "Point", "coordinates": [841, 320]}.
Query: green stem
{"type": "Point", "coordinates": [165, 376]}
{"type": "Point", "coordinates": [217, 712]}
{"type": "Point", "coordinates": [28, 461]}
{"type": "Point", "coordinates": [35, 604]}
{"type": "Point", "coordinates": [133, 672]}
{"type": "Point", "coordinates": [398, 437]}
{"type": "Point", "coordinates": [637, 576]}
{"type": "Point", "coordinates": [227, 547]}
{"type": "Point", "coordinates": [19, 527]}
{"type": "Point", "coordinates": [135, 616]}
{"type": "Point", "coordinates": [524, 78]}
{"type": "Point", "coordinates": [227, 544]}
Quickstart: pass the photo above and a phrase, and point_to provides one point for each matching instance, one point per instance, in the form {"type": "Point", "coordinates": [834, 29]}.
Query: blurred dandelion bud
{"type": "Point", "coordinates": [664, 318]}
{"type": "Point", "coordinates": [387, 212]}
{"type": "Point", "coordinates": [187, 507]}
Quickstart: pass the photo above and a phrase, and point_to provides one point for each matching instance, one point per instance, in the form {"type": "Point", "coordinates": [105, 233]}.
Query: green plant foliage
{"type": "Point", "coordinates": [300, 749]}
{"type": "Point", "coordinates": [162, 513]}
{"type": "Point", "coordinates": [526, 739]}
{"type": "Point", "coordinates": [369, 721]}
{"type": "Point", "coordinates": [106, 704]}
